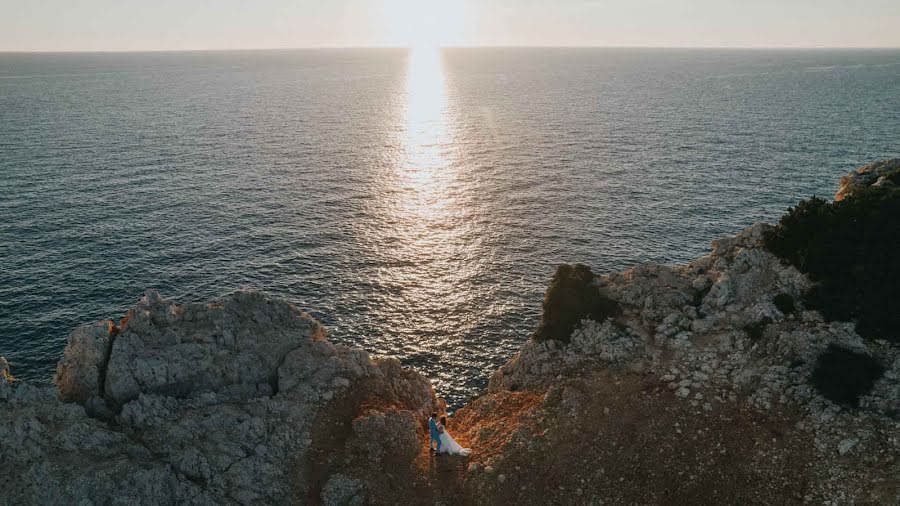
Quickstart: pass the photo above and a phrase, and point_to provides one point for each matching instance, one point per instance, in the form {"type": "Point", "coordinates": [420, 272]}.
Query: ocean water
{"type": "Point", "coordinates": [415, 202]}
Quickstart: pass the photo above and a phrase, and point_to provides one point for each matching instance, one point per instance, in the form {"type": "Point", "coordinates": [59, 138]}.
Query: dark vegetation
{"type": "Point", "coordinates": [756, 330]}
{"type": "Point", "coordinates": [785, 303]}
{"type": "Point", "coordinates": [893, 177]}
{"type": "Point", "coordinates": [572, 297]}
{"type": "Point", "coordinates": [851, 249]}
{"type": "Point", "coordinates": [843, 376]}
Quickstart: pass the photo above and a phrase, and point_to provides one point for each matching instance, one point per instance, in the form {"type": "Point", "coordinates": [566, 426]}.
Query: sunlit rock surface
{"type": "Point", "coordinates": [880, 173]}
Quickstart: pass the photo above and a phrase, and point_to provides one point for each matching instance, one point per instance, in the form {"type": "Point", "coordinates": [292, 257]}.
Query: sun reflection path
{"type": "Point", "coordinates": [426, 169]}
{"type": "Point", "coordinates": [428, 243]}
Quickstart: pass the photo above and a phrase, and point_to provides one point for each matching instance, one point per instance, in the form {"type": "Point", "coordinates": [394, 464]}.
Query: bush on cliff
{"type": "Point", "coordinates": [851, 249]}
{"type": "Point", "coordinates": [843, 376]}
{"type": "Point", "coordinates": [785, 303]}
{"type": "Point", "coordinates": [573, 296]}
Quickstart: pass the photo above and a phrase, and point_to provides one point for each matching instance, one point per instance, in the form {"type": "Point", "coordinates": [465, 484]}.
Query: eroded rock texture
{"type": "Point", "coordinates": [195, 403]}
{"type": "Point", "coordinates": [882, 173]}
{"type": "Point", "coordinates": [709, 339]}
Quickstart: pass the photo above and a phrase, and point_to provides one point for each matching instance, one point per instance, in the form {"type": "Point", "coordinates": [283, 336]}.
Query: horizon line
{"type": "Point", "coordinates": [389, 47]}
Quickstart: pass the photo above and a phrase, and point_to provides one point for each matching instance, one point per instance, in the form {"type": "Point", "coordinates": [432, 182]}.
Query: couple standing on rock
{"type": "Point", "coordinates": [445, 443]}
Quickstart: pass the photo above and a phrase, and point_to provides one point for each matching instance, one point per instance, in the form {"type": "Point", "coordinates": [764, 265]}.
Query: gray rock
{"type": "Point", "coordinates": [341, 490]}
{"type": "Point", "coordinates": [846, 445]}
{"type": "Point", "coordinates": [394, 435]}
{"type": "Point", "coordinates": [211, 404]}
{"type": "Point", "coordinates": [688, 324]}
{"type": "Point", "coordinates": [217, 404]}
{"type": "Point", "coordinates": [166, 349]}
{"type": "Point", "coordinates": [78, 374]}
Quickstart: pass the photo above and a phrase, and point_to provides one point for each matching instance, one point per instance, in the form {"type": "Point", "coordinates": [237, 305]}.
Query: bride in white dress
{"type": "Point", "coordinates": [448, 445]}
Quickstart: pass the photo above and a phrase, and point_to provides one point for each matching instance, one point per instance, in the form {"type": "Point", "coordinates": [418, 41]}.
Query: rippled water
{"type": "Point", "coordinates": [416, 203]}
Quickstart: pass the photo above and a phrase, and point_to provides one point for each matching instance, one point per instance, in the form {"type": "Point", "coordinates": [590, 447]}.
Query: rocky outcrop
{"type": "Point", "coordinates": [718, 309]}
{"type": "Point", "coordinates": [727, 333]}
{"type": "Point", "coordinates": [6, 379]}
{"type": "Point", "coordinates": [196, 403]}
{"type": "Point", "coordinates": [80, 373]}
{"type": "Point", "coordinates": [883, 173]}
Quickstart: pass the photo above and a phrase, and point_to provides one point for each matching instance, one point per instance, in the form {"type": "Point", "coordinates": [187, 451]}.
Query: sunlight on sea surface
{"type": "Point", "coordinates": [427, 216]}
{"type": "Point", "coordinates": [416, 203]}
{"type": "Point", "coordinates": [426, 172]}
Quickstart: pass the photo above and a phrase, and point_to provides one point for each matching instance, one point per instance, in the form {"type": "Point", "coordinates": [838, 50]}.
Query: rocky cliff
{"type": "Point", "coordinates": [710, 383]}
{"type": "Point", "coordinates": [204, 404]}
{"type": "Point", "coordinates": [702, 391]}
{"type": "Point", "coordinates": [715, 382]}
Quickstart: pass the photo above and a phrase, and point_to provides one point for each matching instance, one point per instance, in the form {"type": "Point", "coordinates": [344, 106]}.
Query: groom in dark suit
{"type": "Point", "coordinates": [435, 435]}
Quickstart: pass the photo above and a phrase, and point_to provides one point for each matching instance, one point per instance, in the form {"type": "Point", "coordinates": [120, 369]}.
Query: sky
{"type": "Point", "coordinates": [126, 25]}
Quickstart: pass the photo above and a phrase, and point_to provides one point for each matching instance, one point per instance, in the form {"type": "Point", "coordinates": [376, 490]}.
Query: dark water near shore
{"type": "Point", "coordinates": [416, 205]}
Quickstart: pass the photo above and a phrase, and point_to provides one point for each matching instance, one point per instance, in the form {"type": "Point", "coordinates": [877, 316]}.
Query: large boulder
{"type": "Point", "coordinates": [236, 344]}
{"type": "Point", "coordinates": [79, 375]}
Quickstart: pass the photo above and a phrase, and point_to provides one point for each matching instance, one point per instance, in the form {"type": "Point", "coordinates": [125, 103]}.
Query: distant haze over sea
{"type": "Point", "coordinates": [416, 203]}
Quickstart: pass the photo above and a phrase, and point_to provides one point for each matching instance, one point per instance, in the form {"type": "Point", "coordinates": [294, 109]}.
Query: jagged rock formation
{"type": "Point", "coordinates": [883, 173]}
{"type": "Point", "coordinates": [699, 351]}
{"type": "Point", "coordinates": [207, 404]}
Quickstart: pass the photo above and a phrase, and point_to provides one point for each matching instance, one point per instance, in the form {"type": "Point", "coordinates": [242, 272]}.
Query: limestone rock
{"type": "Point", "coordinates": [5, 375]}
{"type": "Point", "coordinates": [239, 343]}
{"type": "Point", "coordinates": [79, 373]}
{"type": "Point", "coordinates": [213, 404]}
{"type": "Point", "coordinates": [845, 446]}
{"type": "Point", "coordinates": [341, 490]}
{"type": "Point", "coordinates": [874, 174]}
{"type": "Point", "coordinates": [711, 334]}
{"type": "Point", "coordinates": [394, 436]}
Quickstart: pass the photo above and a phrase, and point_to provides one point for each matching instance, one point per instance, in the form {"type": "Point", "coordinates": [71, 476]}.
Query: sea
{"type": "Point", "coordinates": [416, 202]}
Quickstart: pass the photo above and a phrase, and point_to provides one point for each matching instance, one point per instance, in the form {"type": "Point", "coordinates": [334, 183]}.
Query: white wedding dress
{"type": "Point", "coordinates": [451, 447]}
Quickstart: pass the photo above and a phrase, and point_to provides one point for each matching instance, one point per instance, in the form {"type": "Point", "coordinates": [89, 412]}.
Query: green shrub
{"type": "Point", "coordinates": [843, 376]}
{"type": "Point", "coordinates": [572, 297]}
{"type": "Point", "coordinates": [851, 249]}
{"type": "Point", "coordinates": [785, 303]}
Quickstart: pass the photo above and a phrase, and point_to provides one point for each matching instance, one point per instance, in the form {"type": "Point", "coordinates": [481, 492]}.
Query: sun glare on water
{"type": "Point", "coordinates": [426, 168]}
